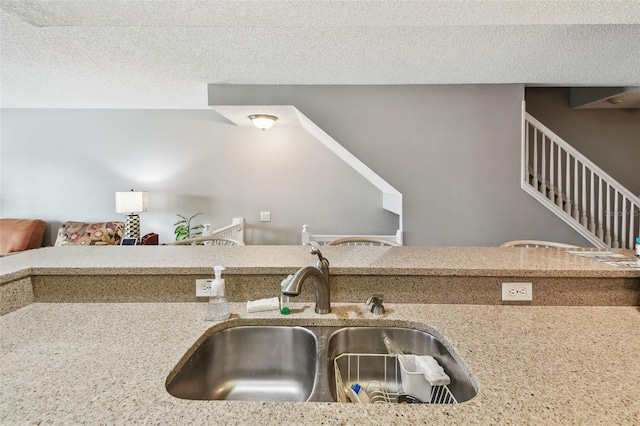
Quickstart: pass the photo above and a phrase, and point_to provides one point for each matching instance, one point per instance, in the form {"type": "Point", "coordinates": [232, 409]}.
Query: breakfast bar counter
{"type": "Point", "coordinates": [407, 260]}
{"type": "Point", "coordinates": [428, 275]}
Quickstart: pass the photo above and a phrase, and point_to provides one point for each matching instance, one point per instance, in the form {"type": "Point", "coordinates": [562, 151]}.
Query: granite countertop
{"type": "Point", "coordinates": [433, 261]}
{"type": "Point", "coordinates": [107, 364]}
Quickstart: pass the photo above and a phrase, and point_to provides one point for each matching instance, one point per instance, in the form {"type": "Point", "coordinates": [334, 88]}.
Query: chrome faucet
{"type": "Point", "coordinates": [320, 277]}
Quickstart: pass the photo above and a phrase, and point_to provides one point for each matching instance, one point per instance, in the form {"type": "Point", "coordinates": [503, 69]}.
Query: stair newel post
{"type": "Point", "coordinates": [567, 207]}
{"type": "Point", "coordinates": [599, 232]}
{"type": "Point", "coordinates": [607, 235]}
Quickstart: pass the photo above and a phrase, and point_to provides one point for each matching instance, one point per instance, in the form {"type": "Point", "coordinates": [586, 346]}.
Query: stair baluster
{"type": "Point", "coordinates": [599, 231]}
{"type": "Point", "coordinates": [607, 236]}
{"type": "Point", "coordinates": [567, 207]}
{"type": "Point", "coordinates": [616, 241]}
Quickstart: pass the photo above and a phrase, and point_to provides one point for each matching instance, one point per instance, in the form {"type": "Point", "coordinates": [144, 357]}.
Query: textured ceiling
{"type": "Point", "coordinates": [163, 53]}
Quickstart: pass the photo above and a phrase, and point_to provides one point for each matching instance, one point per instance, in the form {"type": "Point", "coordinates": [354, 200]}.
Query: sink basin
{"type": "Point", "coordinates": [258, 363]}
{"type": "Point", "coordinates": [369, 340]}
{"type": "Point", "coordinates": [276, 363]}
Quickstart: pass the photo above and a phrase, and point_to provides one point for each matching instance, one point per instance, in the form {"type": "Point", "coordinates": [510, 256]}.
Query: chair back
{"type": "Point", "coordinates": [536, 243]}
{"type": "Point", "coordinates": [214, 240]}
{"type": "Point", "coordinates": [361, 241]}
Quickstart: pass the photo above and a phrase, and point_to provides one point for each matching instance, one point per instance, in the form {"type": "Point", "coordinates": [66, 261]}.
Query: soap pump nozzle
{"type": "Point", "coordinates": [217, 271]}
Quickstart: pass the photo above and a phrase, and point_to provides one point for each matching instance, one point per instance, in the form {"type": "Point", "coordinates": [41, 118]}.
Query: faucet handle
{"type": "Point", "coordinates": [376, 300]}
{"type": "Point", "coordinates": [316, 250]}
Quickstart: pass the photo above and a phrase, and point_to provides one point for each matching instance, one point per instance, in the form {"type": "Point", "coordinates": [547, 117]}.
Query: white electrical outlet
{"type": "Point", "coordinates": [517, 292]}
{"type": "Point", "coordinates": [203, 287]}
{"type": "Point", "coordinates": [265, 216]}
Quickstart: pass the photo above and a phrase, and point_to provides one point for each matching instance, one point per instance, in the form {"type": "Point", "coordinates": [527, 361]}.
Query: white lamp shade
{"type": "Point", "coordinates": [132, 202]}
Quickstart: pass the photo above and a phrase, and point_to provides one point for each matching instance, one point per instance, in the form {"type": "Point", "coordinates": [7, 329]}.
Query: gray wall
{"type": "Point", "coordinates": [608, 137]}
{"type": "Point", "coordinates": [453, 151]}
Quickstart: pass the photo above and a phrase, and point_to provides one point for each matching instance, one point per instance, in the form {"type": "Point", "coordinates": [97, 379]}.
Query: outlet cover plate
{"type": "Point", "coordinates": [203, 287]}
{"type": "Point", "coordinates": [265, 216]}
{"type": "Point", "coordinates": [517, 292]}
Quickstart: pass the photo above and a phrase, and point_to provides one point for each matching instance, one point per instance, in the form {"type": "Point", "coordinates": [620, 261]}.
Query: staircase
{"type": "Point", "coordinates": [576, 190]}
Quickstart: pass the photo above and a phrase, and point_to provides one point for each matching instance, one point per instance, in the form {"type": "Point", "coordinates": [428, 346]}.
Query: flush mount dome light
{"type": "Point", "coordinates": [263, 121]}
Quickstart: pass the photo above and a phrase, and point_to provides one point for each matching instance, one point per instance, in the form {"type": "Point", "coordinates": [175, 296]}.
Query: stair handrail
{"type": "Point", "coordinates": [584, 160]}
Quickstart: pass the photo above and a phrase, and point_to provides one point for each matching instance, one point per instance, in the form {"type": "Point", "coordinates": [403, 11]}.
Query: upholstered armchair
{"type": "Point", "coordinates": [20, 234]}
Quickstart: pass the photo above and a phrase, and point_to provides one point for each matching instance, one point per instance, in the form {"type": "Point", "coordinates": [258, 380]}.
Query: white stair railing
{"type": "Point", "coordinates": [576, 190]}
{"type": "Point", "coordinates": [235, 230]}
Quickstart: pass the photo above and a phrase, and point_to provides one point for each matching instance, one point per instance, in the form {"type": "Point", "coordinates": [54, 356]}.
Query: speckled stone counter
{"type": "Point", "coordinates": [431, 261]}
{"type": "Point", "coordinates": [107, 364]}
{"type": "Point", "coordinates": [445, 275]}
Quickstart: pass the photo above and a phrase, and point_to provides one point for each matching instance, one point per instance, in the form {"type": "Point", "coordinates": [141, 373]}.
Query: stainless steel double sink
{"type": "Point", "coordinates": [279, 363]}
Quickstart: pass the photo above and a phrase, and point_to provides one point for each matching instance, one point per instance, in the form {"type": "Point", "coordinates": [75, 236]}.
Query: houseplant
{"type": "Point", "coordinates": [184, 229]}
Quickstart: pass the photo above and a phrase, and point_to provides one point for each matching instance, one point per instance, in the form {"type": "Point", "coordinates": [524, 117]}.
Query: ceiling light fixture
{"type": "Point", "coordinates": [263, 121]}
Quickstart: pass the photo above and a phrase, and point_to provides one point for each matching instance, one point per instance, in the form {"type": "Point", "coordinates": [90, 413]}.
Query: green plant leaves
{"type": "Point", "coordinates": [184, 229]}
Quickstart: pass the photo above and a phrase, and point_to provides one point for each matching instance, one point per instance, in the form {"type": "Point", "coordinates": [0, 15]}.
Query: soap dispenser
{"type": "Point", "coordinates": [218, 308]}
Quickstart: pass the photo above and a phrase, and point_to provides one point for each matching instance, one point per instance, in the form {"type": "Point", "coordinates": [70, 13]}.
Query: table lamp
{"type": "Point", "coordinates": [131, 203]}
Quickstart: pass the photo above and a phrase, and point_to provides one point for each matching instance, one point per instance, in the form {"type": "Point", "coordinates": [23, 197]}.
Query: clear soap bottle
{"type": "Point", "coordinates": [218, 308]}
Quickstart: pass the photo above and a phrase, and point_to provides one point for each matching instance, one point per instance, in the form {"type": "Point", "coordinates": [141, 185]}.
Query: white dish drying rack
{"type": "Point", "coordinates": [380, 376]}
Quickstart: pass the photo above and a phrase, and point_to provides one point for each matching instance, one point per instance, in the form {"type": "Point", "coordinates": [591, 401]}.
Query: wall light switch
{"type": "Point", "coordinates": [265, 216]}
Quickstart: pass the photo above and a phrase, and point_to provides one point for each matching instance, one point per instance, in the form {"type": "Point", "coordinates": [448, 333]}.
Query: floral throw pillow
{"type": "Point", "coordinates": [90, 233]}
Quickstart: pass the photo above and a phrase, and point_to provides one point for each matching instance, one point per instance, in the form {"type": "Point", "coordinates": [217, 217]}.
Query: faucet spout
{"type": "Point", "coordinates": [319, 276]}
